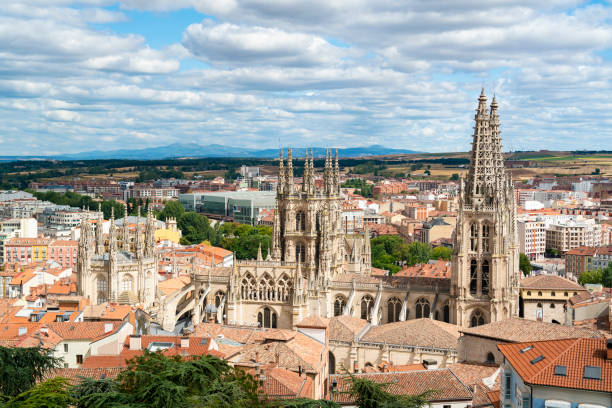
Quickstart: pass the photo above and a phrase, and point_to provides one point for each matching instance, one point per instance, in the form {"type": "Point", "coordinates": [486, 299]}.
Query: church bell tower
{"type": "Point", "coordinates": [485, 265]}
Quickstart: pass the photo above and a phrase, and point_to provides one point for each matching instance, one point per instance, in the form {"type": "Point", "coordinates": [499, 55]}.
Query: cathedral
{"type": "Point", "coordinates": [111, 271]}
{"type": "Point", "coordinates": [315, 268]}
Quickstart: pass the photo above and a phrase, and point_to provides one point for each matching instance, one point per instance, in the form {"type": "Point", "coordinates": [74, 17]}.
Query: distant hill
{"type": "Point", "coordinates": [194, 150]}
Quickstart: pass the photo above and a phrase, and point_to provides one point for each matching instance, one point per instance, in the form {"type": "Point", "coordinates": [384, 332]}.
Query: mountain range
{"type": "Point", "coordinates": [180, 150]}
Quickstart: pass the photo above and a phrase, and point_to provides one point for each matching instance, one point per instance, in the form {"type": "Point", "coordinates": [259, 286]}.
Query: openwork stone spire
{"type": "Point", "coordinates": [486, 171]}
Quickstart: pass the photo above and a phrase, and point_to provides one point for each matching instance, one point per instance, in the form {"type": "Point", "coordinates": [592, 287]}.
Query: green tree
{"type": "Point", "coordinates": [454, 177]}
{"type": "Point", "coordinates": [172, 209]}
{"type": "Point", "coordinates": [196, 229]}
{"type": "Point", "coordinates": [370, 394]}
{"type": "Point", "coordinates": [607, 276]}
{"type": "Point", "coordinates": [525, 264]}
{"type": "Point", "coordinates": [415, 252]}
{"type": "Point", "coordinates": [156, 381]}
{"type": "Point", "coordinates": [53, 393]}
{"type": "Point", "coordinates": [441, 252]}
{"type": "Point", "coordinates": [306, 403]}
{"type": "Point", "coordinates": [595, 276]}
{"type": "Point", "coordinates": [21, 368]}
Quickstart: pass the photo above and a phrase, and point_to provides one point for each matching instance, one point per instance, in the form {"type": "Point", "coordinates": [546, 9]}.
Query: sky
{"type": "Point", "coordinates": [102, 75]}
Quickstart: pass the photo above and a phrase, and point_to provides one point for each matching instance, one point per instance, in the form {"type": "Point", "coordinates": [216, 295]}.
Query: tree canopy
{"type": "Point", "coordinates": [21, 368]}
{"type": "Point", "coordinates": [390, 251]}
{"type": "Point", "coordinates": [525, 264]}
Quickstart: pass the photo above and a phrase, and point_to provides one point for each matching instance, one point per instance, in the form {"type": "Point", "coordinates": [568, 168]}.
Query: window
{"type": "Point", "coordinates": [474, 237]}
{"type": "Point", "coordinates": [552, 305]}
{"type": "Point", "coordinates": [561, 370]}
{"type": "Point", "coordinates": [339, 305]}
{"type": "Point", "coordinates": [394, 307]}
{"type": "Point", "coordinates": [537, 359]}
{"type": "Point", "coordinates": [592, 373]}
{"type": "Point", "coordinates": [507, 385]}
{"type": "Point", "coordinates": [267, 318]}
{"type": "Point", "coordinates": [552, 293]}
{"type": "Point", "coordinates": [300, 221]}
{"type": "Point", "coordinates": [485, 237]}
{"type": "Point", "coordinates": [422, 308]}
{"type": "Point", "coordinates": [79, 359]}
{"type": "Point", "coordinates": [485, 277]}
{"type": "Point", "coordinates": [539, 305]}
{"type": "Point", "coordinates": [446, 313]}
{"type": "Point", "coordinates": [65, 347]}
{"type": "Point", "coordinates": [526, 401]}
{"type": "Point", "coordinates": [539, 293]}
{"type": "Point", "coordinates": [473, 276]}
{"type": "Point", "coordinates": [102, 285]}
{"type": "Point", "coordinates": [126, 284]}
{"type": "Point", "coordinates": [565, 294]}
{"type": "Point", "coordinates": [300, 252]}
{"type": "Point", "coordinates": [477, 319]}
{"type": "Point", "coordinates": [490, 358]}
{"type": "Point", "coordinates": [528, 293]}
{"type": "Point", "coordinates": [367, 303]}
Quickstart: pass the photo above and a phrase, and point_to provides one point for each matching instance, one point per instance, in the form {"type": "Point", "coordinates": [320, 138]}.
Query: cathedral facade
{"type": "Point", "coordinates": [118, 267]}
{"type": "Point", "coordinates": [315, 268]}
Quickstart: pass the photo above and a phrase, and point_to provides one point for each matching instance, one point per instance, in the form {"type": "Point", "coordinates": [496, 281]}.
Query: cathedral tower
{"type": "Point", "coordinates": [307, 221]}
{"type": "Point", "coordinates": [484, 281]}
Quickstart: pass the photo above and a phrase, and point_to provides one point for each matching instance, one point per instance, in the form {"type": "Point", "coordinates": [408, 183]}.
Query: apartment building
{"type": "Point", "coordinates": [532, 238]}
{"type": "Point", "coordinates": [573, 234]}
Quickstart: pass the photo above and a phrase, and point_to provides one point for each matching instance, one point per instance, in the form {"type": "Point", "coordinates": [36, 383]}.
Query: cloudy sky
{"type": "Point", "coordinates": [102, 74]}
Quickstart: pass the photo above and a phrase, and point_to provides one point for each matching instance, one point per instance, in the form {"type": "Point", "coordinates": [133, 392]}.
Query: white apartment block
{"type": "Point", "coordinates": [532, 238]}
{"type": "Point", "coordinates": [573, 234]}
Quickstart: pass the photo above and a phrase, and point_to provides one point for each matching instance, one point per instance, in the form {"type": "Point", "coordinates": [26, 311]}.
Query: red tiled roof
{"type": "Point", "coordinates": [439, 269]}
{"type": "Point", "coordinates": [549, 282]}
{"type": "Point", "coordinates": [75, 374]}
{"type": "Point", "coordinates": [281, 383]}
{"type": "Point", "coordinates": [518, 329]}
{"type": "Point", "coordinates": [83, 330]}
{"type": "Point", "coordinates": [574, 354]}
{"type": "Point", "coordinates": [445, 384]}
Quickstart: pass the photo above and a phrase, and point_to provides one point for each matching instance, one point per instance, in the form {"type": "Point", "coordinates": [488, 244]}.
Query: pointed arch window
{"type": "Point", "coordinates": [446, 313]}
{"type": "Point", "coordinates": [219, 298]}
{"type": "Point", "coordinates": [283, 288]}
{"type": "Point", "coordinates": [300, 252]}
{"type": "Point", "coordinates": [486, 237]}
{"type": "Point", "coordinates": [485, 273]}
{"type": "Point", "coordinates": [266, 288]}
{"type": "Point", "coordinates": [477, 319]}
{"type": "Point", "coordinates": [422, 308]}
{"type": "Point", "coordinates": [394, 307]}
{"type": "Point", "coordinates": [474, 237]}
{"type": "Point", "coordinates": [248, 287]}
{"type": "Point", "coordinates": [367, 303]}
{"type": "Point", "coordinates": [339, 305]}
{"type": "Point", "coordinates": [300, 221]}
{"type": "Point", "coordinates": [473, 276]}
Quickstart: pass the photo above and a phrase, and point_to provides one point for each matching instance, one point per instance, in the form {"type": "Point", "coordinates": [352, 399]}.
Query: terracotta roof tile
{"type": "Point", "coordinates": [446, 385]}
{"type": "Point", "coordinates": [281, 383]}
{"type": "Point", "coordinates": [83, 330]}
{"type": "Point", "coordinates": [416, 332]}
{"type": "Point", "coordinates": [345, 328]}
{"type": "Point", "coordinates": [75, 374]}
{"type": "Point", "coordinates": [518, 330]}
{"type": "Point", "coordinates": [314, 322]}
{"type": "Point", "coordinates": [574, 354]}
{"type": "Point", "coordinates": [549, 282]}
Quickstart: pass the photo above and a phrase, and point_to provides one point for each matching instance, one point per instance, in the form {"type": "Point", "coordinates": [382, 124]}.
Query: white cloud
{"type": "Point", "coordinates": [340, 72]}
{"type": "Point", "coordinates": [230, 44]}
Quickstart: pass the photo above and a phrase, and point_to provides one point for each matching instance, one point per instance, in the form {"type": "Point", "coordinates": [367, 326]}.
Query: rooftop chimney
{"type": "Point", "coordinates": [135, 342]}
{"type": "Point", "coordinates": [184, 342]}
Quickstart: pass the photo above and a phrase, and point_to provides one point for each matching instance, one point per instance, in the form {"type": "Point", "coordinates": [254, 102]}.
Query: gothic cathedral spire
{"type": "Point", "coordinates": [484, 281]}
